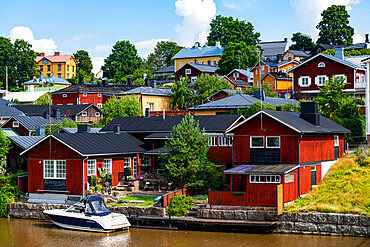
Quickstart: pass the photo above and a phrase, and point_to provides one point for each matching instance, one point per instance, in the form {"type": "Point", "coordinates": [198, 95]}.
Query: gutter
{"type": "Point", "coordinates": [299, 165]}
{"type": "Point", "coordinates": [83, 176]}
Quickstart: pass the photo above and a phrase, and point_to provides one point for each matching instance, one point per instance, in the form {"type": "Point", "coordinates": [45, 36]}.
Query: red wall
{"type": "Point", "coordinates": [194, 72]}
{"type": "Point", "coordinates": [290, 190]}
{"type": "Point", "coordinates": [220, 95]}
{"type": "Point", "coordinates": [22, 129]}
{"type": "Point", "coordinates": [223, 154]}
{"type": "Point", "coordinates": [72, 98]}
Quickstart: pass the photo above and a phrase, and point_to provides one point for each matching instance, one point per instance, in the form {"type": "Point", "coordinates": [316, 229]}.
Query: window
{"type": "Point", "coordinates": [262, 70]}
{"type": "Point", "coordinates": [222, 141]}
{"type": "Point", "coordinates": [256, 72]}
{"type": "Point", "coordinates": [59, 75]}
{"type": "Point", "coordinates": [108, 165]}
{"type": "Point", "coordinates": [193, 79]}
{"type": "Point", "coordinates": [134, 160]}
{"type": "Point", "coordinates": [100, 105]}
{"type": "Point", "coordinates": [85, 94]}
{"type": "Point", "coordinates": [188, 71]}
{"type": "Point", "coordinates": [70, 61]}
{"type": "Point", "coordinates": [67, 76]}
{"type": "Point", "coordinates": [236, 74]}
{"type": "Point", "coordinates": [190, 61]}
{"type": "Point", "coordinates": [91, 167]}
{"type": "Point", "coordinates": [257, 142]}
{"type": "Point", "coordinates": [289, 178]}
{"type": "Point", "coordinates": [48, 75]}
{"type": "Point", "coordinates": [264, 178]}
{"type": "Point", "coordinates": [203, 61]}
{"type": "Point", "coordinates": [342, 77]}
{"type": "Point", "coordinates": [320, 80]}
{"type": "Point", "coordinates": [97, 114]}
{"type": "Point", "coordinates": [313, 168]}
{"type": "Point", "coordinates": [273, 142]}
{"type": "Point", "coordinates": [49, 67]}
{"type": "Point", "coordinates": [336, 141]}
{"type": "Point", "coordinates": [84, 113]}
{"type": "Point", "coordinates": [304, 81]}
{"type": "Point", "coordinates": [196, 61]}
{"type": "Point", "coordinates": [59, 67]}
{"type": "Point", "coordinates": [212, 141]}
{"type": "Point", "coordinates": [67, 67]}
{"type": "Point", "coordinates": [321, 65]}
{"type": "Point", "coordinates": [15, 124]}
{"type": "Point", "coordinates": [73, 68]}
{"type": "Point", "coordinates": [214, 62]}
{"type": "Point", "coordinates": [55, 169]}
{"type": "Point", "coordinates": [147, 160]}
{"type": "Point", "coordinates": [64, 95]}
{"type": "Point", "coordinates": [209, 62]}
{"type": "Point", "coordinates": [45, 61]}
{"type": "Point", "coordinates": [180, 64]}
{"type": "Point", "coordinates": [231, 140]}
{"type": "Point", "coordinates": [99, 94]}
{"type": "Point", "coordinates": [127, 162]}
{"type": "Point", "coordinates": [151, 106]}
{"type": "Point", "coordinates": [41, 68]}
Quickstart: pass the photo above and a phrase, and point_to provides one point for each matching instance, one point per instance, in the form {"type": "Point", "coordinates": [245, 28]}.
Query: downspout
{"type": "Point", "coordinates": [299, 166]}
{"type": "Point", "coordinates": [83, 176]}
{"type": "Point", "coordinates": [232, 149]}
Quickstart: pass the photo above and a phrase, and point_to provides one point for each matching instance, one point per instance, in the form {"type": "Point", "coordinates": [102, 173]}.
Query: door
{"type": "Point", "coordinates": [313, 175]}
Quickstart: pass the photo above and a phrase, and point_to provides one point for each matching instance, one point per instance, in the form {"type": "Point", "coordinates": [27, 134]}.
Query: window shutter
{"type": "Point", "coordinates": [309, 81]}
{"type": "Point", "coordinates": [316, 80]}
{"type": "Point", "coordinates": [300, 81]}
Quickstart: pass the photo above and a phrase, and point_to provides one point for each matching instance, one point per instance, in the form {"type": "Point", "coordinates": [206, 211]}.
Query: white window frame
{"type": "Point", "coordinates": [151, 106]}
{"type": "Point", "coordinates": [212, 141]}
{"type": "Point", "coordinates": [342, 75]}
{"type": "Point", "coordinates": [84, 113]}
{"type": "Point", "coordinates": [222, 141]}
{"type": "Point", "coordinates": [85, 94]}
{"type": "Point", "coordinates": [236, 74]}
{"type": "Point", "coordinates": [313, 168]}
{"type": "Point", "coordinates": [193, 79]}
{"type": "Point", "coordinates": [65, 95]}
{"type": "Point", "coordinates": [262, 70]}
{"type": "Point", "coordinates": [97, 114]}
{"type": "Point", "coordinates": [181, 63]}
{"type": "Point", "coordinates": [321, 65]}
{"type": "Point", "coordinates": [55, 169]}
{"type": "Point", "coordinates": [203, 61]}
{"type": "Point", "coordinates": [231, 140]}
{"type": "Point", "coordinates": [267, 145]}
{"type": "Point", "coordinates": [127, 162]}
{"type": "Point", "coordinates": [336, 141]}
{"type": "Point", "coordinates": [100, 105]}
{"type": "Point", "coordinates": [187, 71]}
{"type": "Point", "coordinates": [289, 178]}
{"type": "Point", "coordinates": [300, 81]}
{"type": "Point", "coordinates": [263, 139]}
{"type": "Point", "coordinates": [263, 179]}
{"type": "Point", "coordinates": [320, 83]}
{"type": "Point", "coordinates": [108, 165]}
{"type": "Point", "coordinates": [147, 160]}
{"type": "Point", "coordinates": [134, 165]}
{"type": "Point", "coordinates": [91, 167]}
{"type": "Point", "coordinates": [99, 94]}
{"type": "Point", "coordinates": [15, 124]}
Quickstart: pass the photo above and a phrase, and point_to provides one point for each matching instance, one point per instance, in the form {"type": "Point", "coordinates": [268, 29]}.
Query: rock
{"type": "Point", "coordinates": [305, 227]}
{"type": "Point", "coordinates": [349, 219]}
{"type": "Point", "coordinates": [302, 217]}
{"type": "Point", "coordinates": [364, 220]}
{"type": "Point", "coordinates": [214, 214]}
{"type": "Point", "coordinates": [240, 215]}
{"type": "Point", "coordinates": [227, 215]}
{"type": "Point", "coordinates": [327, 228]}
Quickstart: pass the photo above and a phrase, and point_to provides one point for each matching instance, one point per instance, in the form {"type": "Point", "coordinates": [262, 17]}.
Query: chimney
{"type": "Point", "coordinates": [117, 128]}
{"type": "Point", "coordinates": [147, 113]}
{"type": "Point", "coordinates": [197, 45]}
{"type": "Point", "coordinates": [57, 53]}
{"type": "Point", "coordinates": [83, 128]}
{"type": "Point", "coordinates": [81, 80]}
{"type": "Point", "coordinates": [367, 38]}
{"type": "Point", "coordinates": [259, 94]}
{"type": "Point", "coordinates": [339, 53]}
{"type": "Point", "coordinates": [45, 115]}
{"type": "Point", "coordinates": [309, 113]}
{"type": "Point", "coordinates": [42, 54]}
{"type": "Point", "coordinates": [279, 57]}
{"type": "Point", "coordinates": [147, 82]}
{"type": "Point", "coordinates": [56, 114]}
{"type": "Point", "coordinates": [218, 44]}
{"type": "Point", "coordinates": [278, 108]}
{"type": "Point", "coordinates": [40, 131]}
{"type": "Point", "coordinates": [104, 81]}
{"type": "Point", "coordinates": [285, 39]}
{"type": "Point", "coordinates": [129, 81]}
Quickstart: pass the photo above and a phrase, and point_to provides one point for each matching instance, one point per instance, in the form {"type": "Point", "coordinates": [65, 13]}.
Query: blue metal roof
{"type": "Point", "coordinates": [7, 112]}
{"type": "Point", "coordinates": [4, 102]}
{"type": "Point", "coordinates": [206, 51]}
{"type": "Point", "coordinates": [150, 91]}
{"type": "Point", "coordinates": [25, 142]}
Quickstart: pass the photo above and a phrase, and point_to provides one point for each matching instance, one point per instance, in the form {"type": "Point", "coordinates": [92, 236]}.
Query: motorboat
{"type": "Point", "coordinates": [89, 214]}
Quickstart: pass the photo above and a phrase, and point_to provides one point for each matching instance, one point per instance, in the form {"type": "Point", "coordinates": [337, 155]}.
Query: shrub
{"type": "Point", "coordinates": [115, 193]}
{"type": "Point", "coordinates": [179, 205]}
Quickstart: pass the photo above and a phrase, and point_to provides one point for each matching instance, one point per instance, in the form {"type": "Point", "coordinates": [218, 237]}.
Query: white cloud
{"type": "Point", "coordinates": [39, 45]}
{"type": "Point", "coordinates": [357, 38]}
{"type": "Point", "coordinates": [83, 36]}
{"type": "Point", "coordinates": [103, 48]}
{"type": "Point", "coordinates": [308, 13]}
{"type": "Point", "coordinates": [97, 63]}
{"type": "Point", "coordinates": [197, 17]}
{"type": "Point", "coordinates": [147, 46]}
{"type": "Point", "coordinates": [238, 4]}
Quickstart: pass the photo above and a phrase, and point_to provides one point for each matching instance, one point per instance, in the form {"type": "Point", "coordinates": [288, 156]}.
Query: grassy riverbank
{"type": "Point", "coordinates": [344, 189]}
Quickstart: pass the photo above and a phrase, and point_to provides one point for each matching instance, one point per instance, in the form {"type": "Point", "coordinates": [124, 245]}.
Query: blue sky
{"type": "Point", "coordinates": [95, 26]}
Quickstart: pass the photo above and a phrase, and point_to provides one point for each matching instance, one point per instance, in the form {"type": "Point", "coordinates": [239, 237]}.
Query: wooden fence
{"type": "Point", "coordinates": [167, 197]}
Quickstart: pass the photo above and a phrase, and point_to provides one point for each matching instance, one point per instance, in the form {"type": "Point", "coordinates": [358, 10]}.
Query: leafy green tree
{"type": "Point", "coordinates": [123, 58]}
{"type": "Point", "coordinates": [162, 55]}
{"type": "Point", "coordinates": [52, 128]}
{"type": "Point", "coordinates": [20, 60]}
{"type": "Point", "coordinates": [125, 107]}
{"type": "Point", "coordinates": [226, 29]}
{"type": "Point", "coordinates": [237, 56]}
{"type": "Point", "coordinates": [84, 62]}
{"type": "Point", "coordinates": [334, 27]}
{"type": "Point", "coordinates": [43, 100]}
{"type": "Point", "coordinates": [349, 53]}
{"type": "Point", "coordinates": [182, 96]}
{"type": "Point", "coordinates": [138, 76]}
{"type": "Point", "coordinates": [302, 42]}
{"type": "Point", "coordinates": [206, 85]}
{"type": "Point", "coordinates": [4, 148]}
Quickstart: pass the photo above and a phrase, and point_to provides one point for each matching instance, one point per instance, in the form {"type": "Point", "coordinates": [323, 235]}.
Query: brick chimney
{"type": "Point", "coordinates": [43, 54]}
{"type": "Point", "coordinates": [57, 53]}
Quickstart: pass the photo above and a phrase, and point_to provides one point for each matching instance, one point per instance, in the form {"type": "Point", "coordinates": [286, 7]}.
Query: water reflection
{"type": "Point", "coordinates": [17, 232]}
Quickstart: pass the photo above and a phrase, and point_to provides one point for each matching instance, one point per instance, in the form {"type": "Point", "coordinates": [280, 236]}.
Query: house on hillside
{"type": "Point", "coordinates": [280, 149]}
{"type": "Point", "coordinates": [271, 49]}
{"type": "Point", "coordinates": [46, 82]}
{"type": "Point", "coordinates": [169, 70]}
{"type": "Point", "coordinates": [193, 71]}
{"type": "Point", "coordinates": [4, 102]}
{"type": "Point", "coordinates": [293, 54]}
{"type": "Point", "coordinates": [223, 93]}
{"type": "Point", "coordinates": [7, 112]}
{"type": "Point", "coordinates": [25, 98]}
{"type": "Point", "coordinates": [63, 66]}
{"type": "Point", "coordinates": [312, 74]}
{"type": "Point", "coordinates": [206, 55]}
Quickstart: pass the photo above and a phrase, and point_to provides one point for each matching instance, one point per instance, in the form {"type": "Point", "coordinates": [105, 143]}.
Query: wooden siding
{"type": "Point", "coordinates": [90, 116]}
{"type": "Point", "coordinates": [305, 179]}
{"type": "Point", "coordinates": [21, 128]}
{"type": "Point", "coordinates": [194, 72]}
{"type": "Point", "coordinates": [290, 190]}
{"type": "Point", "coordinates": [317, 148]}
{"type": "Point", "coordinates": [223, 154]}
{"type": "Point", "coordinates": [220, 95]}
{"type": "Point", "coordinates": [58, 99]}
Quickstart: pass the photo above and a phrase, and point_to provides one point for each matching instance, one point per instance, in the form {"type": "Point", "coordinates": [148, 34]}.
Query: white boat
{"type": "Point", "coordinates": [90, 214]}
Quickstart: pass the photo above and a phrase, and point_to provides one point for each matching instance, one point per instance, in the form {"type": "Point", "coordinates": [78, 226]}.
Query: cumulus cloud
{"type": "Point", "coordinates": [308, 13]}
{"type": "Point", "coordinates": [197, 17]}
{"type": "Point", "coordinates": [357, 38]}
{"type": "Point", "coordinates": [83, 36]}
{"type": "Point", "coordinates": [103, 48]}
{"type": "Point", "coordinates": [97, 63]}
{"type": "Point", "coordinates": [147, 46]}
{"type": "Point", "coordinates": [39, 45]}
{"type": "Point", "coordinates": [238, 4]}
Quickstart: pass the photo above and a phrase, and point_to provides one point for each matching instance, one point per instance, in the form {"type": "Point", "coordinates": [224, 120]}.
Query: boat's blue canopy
{"type": "Point", "coordinates": [95, 206]}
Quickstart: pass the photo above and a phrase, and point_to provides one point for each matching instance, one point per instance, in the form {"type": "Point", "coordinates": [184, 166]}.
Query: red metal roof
{"type": "Point", "coordinates": [54, 59]}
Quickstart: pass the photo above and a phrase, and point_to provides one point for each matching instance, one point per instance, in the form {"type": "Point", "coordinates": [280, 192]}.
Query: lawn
{"type": "Point", "coordinates": [344, 189]}
{"type": "Point", "coordinates": [148, 201]}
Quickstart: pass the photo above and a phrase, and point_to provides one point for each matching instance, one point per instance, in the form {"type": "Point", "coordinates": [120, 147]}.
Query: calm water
{"type": "Point", "coordinates": [17, 232]}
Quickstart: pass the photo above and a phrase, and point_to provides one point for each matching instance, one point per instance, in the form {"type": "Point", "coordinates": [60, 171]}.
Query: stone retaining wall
{"type": "Point", "coordinates": [35, 211]}
{"type": "Point", "coordinates": [235, 214]}
{"type": "Point", "coordinates": [325, 224]}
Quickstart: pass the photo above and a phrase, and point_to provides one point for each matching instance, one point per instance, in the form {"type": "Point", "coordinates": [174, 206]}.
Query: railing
{"type": "Point", "coordinates": [165, 200]}
{"type": "Point", "coordinates": [240, 198]}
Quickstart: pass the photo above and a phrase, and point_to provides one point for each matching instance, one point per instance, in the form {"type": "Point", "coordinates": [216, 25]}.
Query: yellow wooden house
{"type": "Point", "coordinates": [208, 55]}
{"type": "Point", "coordinates": [61, 66]}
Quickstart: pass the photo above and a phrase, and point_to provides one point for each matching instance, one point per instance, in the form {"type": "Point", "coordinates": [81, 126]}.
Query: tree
{"type": "Point", "coordinates": [334, 27]}
{"type": "Point", "coordinates": [125, 107]}
{"type": "Point", "coordinates": [52, 128]}
{"type": "Point", "coordinates": [349, 53]}
{"type": "Point", "coordinates": [237, 56]}
{"type": "Point", "coordinates": [43, 100]}
{"type": "Point", "coordinates": [226, 29]}
{"type": "Point", "coordinates": [4, 148]}
{"type": "Point", "coordinates": [84, 62]}
{"type": "Point", "coordinates": [206, 85]}
{"type": "Point", "coordinates": [20, 60]}
{"type": "Point", "coordinates": [182, 96]}
{"type": "Point", "coordinates": [162, 55]}
{"type": "Point", "coordinates": [138, 76]}
{"type": "Point", "coordinates": [123, 58]}
{"type": "Point", "coordinates": [302, 42]}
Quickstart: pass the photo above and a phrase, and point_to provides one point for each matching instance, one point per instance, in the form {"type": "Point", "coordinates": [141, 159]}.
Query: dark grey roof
{"type": "Point", "coordinates": [74, 130]}
{"type": "Point", "coordinates": [242, 101]}
{"type": "Point", "coordinates": [7, 112]}
{"type": "Point", "coordinates": [206, 51]}
{"type": "Point", "coordinates": [298, 53]}
{"type": "Point", "coordinates": [162, 150]}
{"type": "Point", "coordinates": [261, 169]}
{"type": "Point", "coordinates": [25, 142]}
{"type": "Point", "coordinates": [12, 132]}
{"type": "Point", "coordinates": [239, 83]}
{"type": "Point", "coordinates": [273, 48]}
{"type": "Point", "coordinates": [33, 122]}
{"type": "Point", "coordinates": [4, 102]}
{"type": "Point", "coordinates": [278, 75]}
{"type": "Point", "coordinates": [160, 135]}
{"type": "Point", "coordinates": [65, 110]}
{"type": "Point", "coordinates": [150, 91]}
{"type": "Point", "coordinates": [168, 70]}
{"type": "Point", "coordinates": [157, 124]}
{"type": "Point", "coordinates": [94, 88]}
{"type": "Point", "coordinates": [204, 67]}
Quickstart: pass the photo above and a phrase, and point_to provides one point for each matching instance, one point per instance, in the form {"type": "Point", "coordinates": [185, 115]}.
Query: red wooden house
{"type": "Point", "coordinates": [194, 70]}
{"type": "Point", "coordinates": [276, 147]}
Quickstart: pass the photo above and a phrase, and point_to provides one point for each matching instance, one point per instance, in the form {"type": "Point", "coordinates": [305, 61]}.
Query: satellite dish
{"type": "Point", "coordinates": [287, 96]}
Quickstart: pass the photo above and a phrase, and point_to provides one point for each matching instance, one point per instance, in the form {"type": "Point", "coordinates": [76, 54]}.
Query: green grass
{"type": "Point", "coordinates": [344, 189]}
{"type": "Point", "coordinates": [148, 201]}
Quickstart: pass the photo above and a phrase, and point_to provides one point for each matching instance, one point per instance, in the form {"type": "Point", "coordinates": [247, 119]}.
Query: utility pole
{"type": "Point", "coordinates": [6, 78]}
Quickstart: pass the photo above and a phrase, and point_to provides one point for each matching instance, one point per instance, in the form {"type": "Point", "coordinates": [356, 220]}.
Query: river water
{"type": "Point", "coordinates": [20, 232]}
